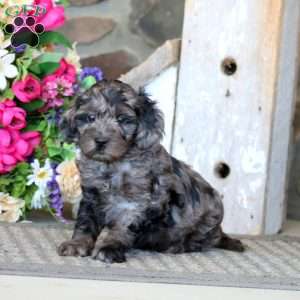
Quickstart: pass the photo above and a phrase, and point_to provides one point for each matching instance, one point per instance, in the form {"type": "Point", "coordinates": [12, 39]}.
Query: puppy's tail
{"type": "Point", "coordinates": [228, 243]}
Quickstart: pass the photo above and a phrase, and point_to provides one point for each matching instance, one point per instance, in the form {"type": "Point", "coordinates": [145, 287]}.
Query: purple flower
{"type": "Point", "coordinates": [91, 71]}
{"type": "Point", "coordinates": [20, 49]}
{"type": "Point", "coordinates": [76, 88]}
{"type": "Point", "coordinates": [55, 197]}
{"type": "Point", "coordinates": [56, 117]}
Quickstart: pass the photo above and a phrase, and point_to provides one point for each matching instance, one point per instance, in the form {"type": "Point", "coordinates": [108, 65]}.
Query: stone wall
{"type": "Point", "coordinates": [117, 35]}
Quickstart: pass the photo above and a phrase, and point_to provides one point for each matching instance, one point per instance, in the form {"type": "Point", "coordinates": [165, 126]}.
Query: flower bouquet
{"type": "Point", "coordinates": [37, 84]}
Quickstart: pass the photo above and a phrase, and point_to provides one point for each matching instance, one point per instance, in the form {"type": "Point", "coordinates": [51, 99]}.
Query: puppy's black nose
{"type": "Point", "coordinates": [100, 144]}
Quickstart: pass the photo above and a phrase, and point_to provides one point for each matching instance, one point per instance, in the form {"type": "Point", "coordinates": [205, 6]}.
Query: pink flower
{"type": "Point", "coordinates": [15, 147]}
{"type": "Point", "coordinates": [66, 71]}
{"type": "Point", "coordinates": [49, 90]}
{"type": "Point", "coordinates": [65, 87]}
{"type": "Point", "coordinates": [54, 16]}
{"type": "Point", "coordinates": [12, 116]}
{"type": "Point", "coordinates": [55, 88]}
{"type": "Point", "coordinates": [7, 163]}
{"type": "Point", "coordinates": [8, 159]}
{"type": "Point", "coordinates": [33, 138]}
{"type": "Point", "coordinates": [5, 138]}
{"type": "Point", "coordinates": [28, 89]}
{"type": "Point", "coordinates": [52, 103]}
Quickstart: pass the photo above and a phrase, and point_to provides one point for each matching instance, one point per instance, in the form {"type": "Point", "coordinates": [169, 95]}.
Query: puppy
{"type": "Point", "coordinates": [135, 195]}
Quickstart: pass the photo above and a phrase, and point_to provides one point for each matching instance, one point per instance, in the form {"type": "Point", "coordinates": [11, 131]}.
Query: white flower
{"type": "Point", "coordinates": [10, 208]}
{"type": "Point", "coordinates": [3, 43]}
{"type": "Point", "coordinates": [7, 70]}
{"type": "Point", "coordinates": [40, 176]}
{"type": "Point", "coordinates": [68, 179]}
{"type": "Point", "coordinates": [73, 57]}
{"type": "Point", "coordinates": [39, 199]}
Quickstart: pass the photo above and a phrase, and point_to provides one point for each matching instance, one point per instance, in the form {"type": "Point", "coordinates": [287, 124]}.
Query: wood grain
{"type": "Point", "coordinates": [242, 120]}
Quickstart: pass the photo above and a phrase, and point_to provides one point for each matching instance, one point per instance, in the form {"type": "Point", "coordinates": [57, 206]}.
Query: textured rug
{"type": "Point", "coordinates": [29, 249]}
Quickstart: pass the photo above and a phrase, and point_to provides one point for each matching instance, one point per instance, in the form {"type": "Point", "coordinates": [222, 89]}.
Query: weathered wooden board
{"type": "Point", "coordinates": [158, 76]}
{"type": "Point", "coordinates": [163, 90]}
{"type": "Point", "coordinates": [282, 131]}
{"type": "Point", "coordinates": [243, 118]}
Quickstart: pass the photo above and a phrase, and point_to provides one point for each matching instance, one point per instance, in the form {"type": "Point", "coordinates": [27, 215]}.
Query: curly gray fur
{"type": "Point", "coordinates": [135, 195]}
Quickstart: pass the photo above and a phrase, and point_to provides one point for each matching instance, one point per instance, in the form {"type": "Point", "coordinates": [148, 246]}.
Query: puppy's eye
{"type": "Point", "coordinates": [91, 118]}
{"type": "Point", "coordinates": [125, 120]}
{"type": "Point", "coordinates": [85, 119]}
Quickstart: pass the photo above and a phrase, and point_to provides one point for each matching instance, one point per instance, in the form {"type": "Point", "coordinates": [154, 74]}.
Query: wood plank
{"type": "Point", "coordinates": [160, 60]}
{"type": "Point", "coordinates": [158, 75]}
{"type": "Point", "coordinates": [284, 111]}
{"type": "Point", "coordinates": [242, 120]}
{"type": "Point", "coordinates": [163, 90]}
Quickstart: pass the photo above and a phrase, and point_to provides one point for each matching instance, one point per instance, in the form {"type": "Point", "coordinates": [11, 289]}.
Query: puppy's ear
{"type": "Point", "coordinates": [67, 126]}
{"type": "Point", "coordinates": [151, 124]}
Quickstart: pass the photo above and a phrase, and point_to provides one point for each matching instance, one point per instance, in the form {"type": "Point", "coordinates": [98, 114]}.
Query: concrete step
{"type": "Point", "coordinates": [31, 288]}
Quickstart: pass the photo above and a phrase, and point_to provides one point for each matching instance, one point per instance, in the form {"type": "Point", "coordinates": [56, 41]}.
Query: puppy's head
{"type": "Point", "coordinates": [110, 118]}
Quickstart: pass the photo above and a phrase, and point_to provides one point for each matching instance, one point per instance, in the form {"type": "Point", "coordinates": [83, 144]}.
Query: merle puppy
{"type": "Point", "coordinates": [135, 195]}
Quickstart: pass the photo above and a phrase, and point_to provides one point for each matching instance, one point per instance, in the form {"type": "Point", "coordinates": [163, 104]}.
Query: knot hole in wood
{"type": "Point", "coordinates": [229, 66]}
{"type": "Point", "coordinates": [222, 170]}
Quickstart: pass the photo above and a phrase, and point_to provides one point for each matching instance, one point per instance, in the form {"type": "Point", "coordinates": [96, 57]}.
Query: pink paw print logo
{"type": "Point", "coordinates": [24, 31]}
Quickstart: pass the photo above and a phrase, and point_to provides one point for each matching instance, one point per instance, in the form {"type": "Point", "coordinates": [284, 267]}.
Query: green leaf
{"type": "Point", "coordinates": [32, 106]}
{"type": "Point", "coordinates": [45, 64]}
{"type": "Point", "coordinates": [65, 3]}
{"type": "Point", "coordinates": [35, 69]}
{"type": "Point", "coordinates": [44, 69]}
{"type": "Point", "coordinates": [22, 169]}
{"type": "Point", "coordinates": [47, 132]}
{"type": "Point", "coordinates": [18, 189]}
{"type": "Point", "coordinates": [39, 153]}
{"type": "Point", "coordinates": [54, 37]}
{"type": "Point", "coordinates": [23, 64]}
{"type": "Point", "coordinates": [88, 82]}
{"type": "Point", "coordinates": [24, 72]}
{"type": "Point", "coordinates": [8, 94]}
{"type": "Point", "coordinates": [53, 57]}
{"type": "Point", "coordinates": [48, 68]}
{"type": "Point", "coordinates": [54, 151]}
{"type": "Point", "coordinates": [15, 183]}
{"type": "Point", "coordinates": [5, 181]}
{"type": "Point", "coordinates": [68, 155]}
{"type": "Point", "coordinates": [30, 190]}
{"type": "Point", "coordinates": [37, 126]}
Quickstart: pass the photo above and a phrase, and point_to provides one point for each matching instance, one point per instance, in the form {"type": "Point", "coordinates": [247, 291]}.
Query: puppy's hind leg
{"type": "Point", "coordinates": [228, 243]}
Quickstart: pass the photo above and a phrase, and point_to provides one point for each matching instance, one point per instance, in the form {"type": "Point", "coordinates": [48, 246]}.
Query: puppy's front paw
{"type": "Point", "coordinates": [109, 255]}
{"type": "Point", "coordinates": [76, 247]}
